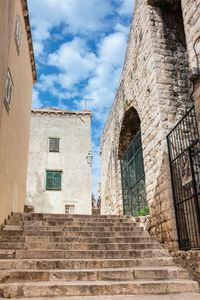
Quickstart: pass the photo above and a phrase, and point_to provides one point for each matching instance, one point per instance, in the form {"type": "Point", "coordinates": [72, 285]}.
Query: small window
{"type": "Point", "coordinates": [53, 180]}
{"type": "Point", "coordinates": [54, 144]}
{"type": "Point", "coordinates": [18, 34]}
{"type": "Point", "coordinates": [8, 90]}
{"type": "Point", "coordinates": [69, 209]}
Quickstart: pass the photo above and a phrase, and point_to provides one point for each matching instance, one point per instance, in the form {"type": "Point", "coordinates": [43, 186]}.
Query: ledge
{"type": "Point", "coordinates": [29, 39]}
{"type": "Point", "coordinates": [50, 110]}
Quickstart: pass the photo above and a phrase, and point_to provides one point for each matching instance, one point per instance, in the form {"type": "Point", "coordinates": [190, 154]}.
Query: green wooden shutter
{"type": "Point", "coordinates": [57, 180]}
{"type": "Point", "coordinates": [49, 181]}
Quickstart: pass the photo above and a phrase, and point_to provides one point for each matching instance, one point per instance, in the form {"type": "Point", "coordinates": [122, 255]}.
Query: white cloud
{"type": "Point", "coordinates": [102, 86]}
{"type": "Point", "coordinates": [38, 48]}
{"type": "Point", "coordinates": [112, 48]}
{"type": "Point", "coordinates": [126, 7]}
{"type": "Point", "coordinates": [46, 82]}
{"type": "Point", "coordinates": [36, 103]}
{"type": "Point", "coordinates": [74, 61]}
{"type": "Point", "coordinates": [76, 16]}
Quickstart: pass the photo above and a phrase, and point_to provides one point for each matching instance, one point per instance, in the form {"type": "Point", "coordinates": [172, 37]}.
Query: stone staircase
{"type": "Point", "coordinates": [44, 255]}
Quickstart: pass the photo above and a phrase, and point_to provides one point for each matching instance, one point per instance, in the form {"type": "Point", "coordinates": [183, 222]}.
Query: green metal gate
{"type": "Point", "coordinates": [133, 179]}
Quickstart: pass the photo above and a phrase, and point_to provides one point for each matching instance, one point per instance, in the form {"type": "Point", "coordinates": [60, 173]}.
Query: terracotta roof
{"type": "Point", "coordinates": [51, 110]}
{"type": "Point", "coordinates": [29, 38]}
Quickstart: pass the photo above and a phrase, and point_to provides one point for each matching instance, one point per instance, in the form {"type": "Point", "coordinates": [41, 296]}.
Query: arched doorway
{"type": "Point", "coordinates": [132, 166]}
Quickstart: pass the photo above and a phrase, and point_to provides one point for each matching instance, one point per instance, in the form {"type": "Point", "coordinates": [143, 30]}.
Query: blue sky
{"type": "Point", "coordinates": [79, 49]}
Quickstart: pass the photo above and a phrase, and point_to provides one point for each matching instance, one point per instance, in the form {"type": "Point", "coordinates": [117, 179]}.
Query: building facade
{"type": "Point", "coordinates": [159, 84]}
{"type": "Point", "coordinates": [17, 73]}
{"type": "Point", "coordinates": [59, 177]}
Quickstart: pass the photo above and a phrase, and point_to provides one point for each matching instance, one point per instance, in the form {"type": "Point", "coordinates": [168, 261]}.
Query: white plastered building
{"type": "Point", "coordinates": [59, 177]}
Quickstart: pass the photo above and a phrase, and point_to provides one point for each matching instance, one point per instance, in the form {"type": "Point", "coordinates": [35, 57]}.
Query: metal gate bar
{"type": "Point", "coordinates": [133, 179]}
{"type": "Point", "coordinates": [184, 156]}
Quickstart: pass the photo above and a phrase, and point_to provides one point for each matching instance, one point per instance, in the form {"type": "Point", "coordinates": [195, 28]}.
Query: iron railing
{"type": "Point", "coordinates": [184, 156]}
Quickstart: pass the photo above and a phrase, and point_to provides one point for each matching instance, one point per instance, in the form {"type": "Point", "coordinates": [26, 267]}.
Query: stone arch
{"type": "Point", "coordinates": [130, 126]}
{"type": "Point", "coordinates": [130, 156]}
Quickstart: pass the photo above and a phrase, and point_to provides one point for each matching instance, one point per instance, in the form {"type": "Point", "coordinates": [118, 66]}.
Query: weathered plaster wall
{"type": "Point", "coordinates": [6, 21]}
{"type": "Point", "coordinates": [74, 132]}
{"type": "Point", "coordinates": [14, 124]}
{"type": "Point", "coordinates": [155, 81]}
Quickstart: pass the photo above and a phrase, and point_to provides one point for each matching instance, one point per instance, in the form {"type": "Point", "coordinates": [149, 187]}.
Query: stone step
{"type": "Point", "coordinates": [181, 296]}
{"type": "Point", "coordinates": [73, 233]}
{"type": "Point", "coordinates": [45, 255]}
{"type": "Point", "coordinates": [45, 264]}
{"type": "Point", "coordinates": [118, 274]}
{"type": "Point", "coordinates": [79, 246]}
{"type": "Point", "coordinates": [64, 254]}
{"type": "Point", "coordinates": [46, 216]}
{"type": "Point", "coordinates": [89, 240]}
{"type": "Point", "coordinates": [79, 223]}
{"type": "Point", "coordinates": [7, 254]}
{"type": "Point", "coordinates": [73, 228]}
{"type": "Point", "coordinates": [70, 222]}
{"type": "Point", "coordinates": [85, 288]}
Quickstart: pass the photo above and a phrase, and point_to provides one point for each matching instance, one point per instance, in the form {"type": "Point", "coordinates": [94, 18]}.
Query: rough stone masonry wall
{"type": "Point", "coordinates": [191, 16]}
{"type": "Point", "coordinates": [155, 82]}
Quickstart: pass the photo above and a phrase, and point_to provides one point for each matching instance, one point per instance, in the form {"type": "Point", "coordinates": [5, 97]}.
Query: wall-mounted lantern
{"type": "Point", "coordinates": [89, 158]}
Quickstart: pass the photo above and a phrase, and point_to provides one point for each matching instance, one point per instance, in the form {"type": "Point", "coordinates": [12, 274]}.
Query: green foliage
{"type": "Point", "coordinates": [144, 211]}
{"type": "Point", "coordinates": [125, 105]}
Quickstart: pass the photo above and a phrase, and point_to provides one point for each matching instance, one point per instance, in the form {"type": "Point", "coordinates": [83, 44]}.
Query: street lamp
{"type": "Point", "coordinates": [89, 156]}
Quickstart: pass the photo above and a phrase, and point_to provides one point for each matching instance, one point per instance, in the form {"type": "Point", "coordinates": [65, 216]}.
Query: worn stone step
{"type": "Point", "coordinates": [52, 289]}
{"type": "Point", "coordinates": [46, 216]}
{"type": "Point", "coordinates": [79, 246]}
{"type": "Point", "coordinates": [88, 253]}
{"type": "Point", "coordinates": [110, 274]}
{"type": "Point", "coordinates": [11, 227]}
{"type": "Point", "coordinates": [7, 254]}
{"type": "Point", "coordinates": [76, 228]}
{"type": "Point", "coordinates": [77, 224]}
{"type": "Point", "coordinates": [59, 224]}
{"type": "Point", "coordinates": [17, 239]}
{"type": "Point", "coordinates": [73, 233]}
{"type": "Point", "coordinates": [89, 240]}
{"type": "Point", "coordinates": [45, 264]}
{"type": "Point", "coordinates": [70, 222]}
{"type": "Point", "coordinates": [181, 296]}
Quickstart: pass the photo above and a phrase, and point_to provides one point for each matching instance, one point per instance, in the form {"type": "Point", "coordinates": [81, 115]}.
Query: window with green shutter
{"type": "Point", "coordinates": [53, 180]}
{"type": "Point", "coordinates": [54, 144]}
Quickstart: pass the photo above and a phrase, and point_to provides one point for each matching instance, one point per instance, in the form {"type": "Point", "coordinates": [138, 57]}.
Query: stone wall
{"type": "Point", "coordinates": [155, 82]}
{"type": "Point", "coordinates": [189, 260]}
{"type": "Point", "coordinates": [191, 15]}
